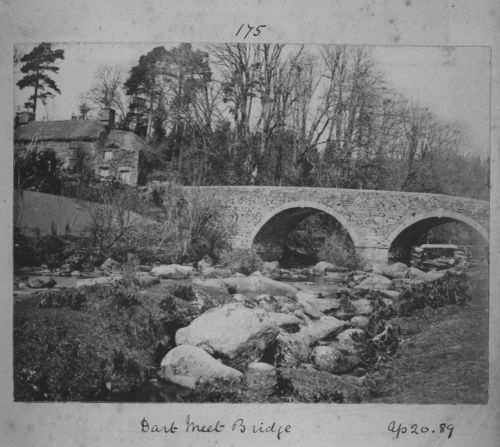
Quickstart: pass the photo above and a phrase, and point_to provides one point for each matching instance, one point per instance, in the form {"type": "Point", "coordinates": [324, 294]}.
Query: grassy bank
{"type": "Point", "coordinates": [444, 353]}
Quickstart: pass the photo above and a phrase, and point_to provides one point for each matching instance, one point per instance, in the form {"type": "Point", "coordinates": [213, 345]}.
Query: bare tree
{"type": "Point", "coordinates": [106, 90]}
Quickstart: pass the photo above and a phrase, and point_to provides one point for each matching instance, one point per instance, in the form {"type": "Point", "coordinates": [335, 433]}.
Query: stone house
{"type": "Point", "coordinates": [111, 152]}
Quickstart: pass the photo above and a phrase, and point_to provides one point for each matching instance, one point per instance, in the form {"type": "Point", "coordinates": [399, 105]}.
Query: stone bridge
{"type": "Point", "coordinates": [377, 221]}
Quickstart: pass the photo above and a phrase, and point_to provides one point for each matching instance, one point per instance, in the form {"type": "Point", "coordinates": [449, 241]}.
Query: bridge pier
{"type": "Point", "coordinates": [374, 255]}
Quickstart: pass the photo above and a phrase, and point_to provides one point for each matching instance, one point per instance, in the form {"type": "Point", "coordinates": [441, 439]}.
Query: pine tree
{"type": "Point", "coordinates": [38, 64]}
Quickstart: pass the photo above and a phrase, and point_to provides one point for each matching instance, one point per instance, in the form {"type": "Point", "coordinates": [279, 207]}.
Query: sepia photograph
{"type": "Point", "coordinates": [251, 223]}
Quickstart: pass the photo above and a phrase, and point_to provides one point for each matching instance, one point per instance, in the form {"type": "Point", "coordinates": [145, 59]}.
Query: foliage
{"type": "Point", "coordinates": [37, 171]}
{"type": "Point", "coordinates": [38, 65]}
{"type": "Point", "coordinates": [192, 227]}
{"type": "Point", "coordinates": [272, 114]}
{"type": "Point", "coordinates": [67, 349]}
{"type": "Point", "coordinates": [339, 250]}
{"type": "Point", "coordinates": [242, 260]}
{"type": "Point", "coordinates": [64, 298]}
{"type": "Point", "coordinates": [217, 390]}
{"type": "Point", "coordinates": [51, 250]}
{"type": "Point", "coordinates": [451, 289]}
{"type": "Point", "coordinates": [115, 228]}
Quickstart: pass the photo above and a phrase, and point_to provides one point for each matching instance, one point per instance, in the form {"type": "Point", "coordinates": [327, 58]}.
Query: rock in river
{"type": "Point", "coordinates": [330, 359]}
{"type": "Point", "coordinates": [257, 285]}
{"type": "Point", "coordinates": [185, 365]}
{"type": "Point", "coordinates": [395, 270]}
{"type": "Point", "coordinates": [375, 281]}
{"type": "Point", "coordinates": [41, 283]}
{"type": "Point", "coordinates": [100, 281]}
{"type": "Point", "coordinates": [236, 333]}
{"type": "Point", "coordinates": [172, 271]}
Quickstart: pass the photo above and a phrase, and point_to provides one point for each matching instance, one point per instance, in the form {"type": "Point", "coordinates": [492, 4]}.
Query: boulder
{"type": "Point", "coordinates": [267, 302]}
{"type": "Point", "coordinates": [330, 359]}
{"type": "Point", "coordinates": [205, 263]}
{"type": "Point", "coordinates": [216, 272]}
{"type": "Point", "coordinates": [172, 271]}
{"type": "Point", "coordinates": [257, 285]}
{"type": "Point", "coordinates": [212, 283]}
{"type": "Point", "coordinates": [414, 272]}
{"type": "Point", "coordinates": [374, 281]}
{"type": "Point", "coordinates": [303, 299]}
{"type": "Point", "coordinates": [314, 306]}
{"type": "Point", "coordinates": [240, 298]}
{"type": "Point", "coordinates": [185, 365]}
{"type": "Point", "coordinates": [270, 268]}
{"type": "Point", "coordinates": [433, 275]}
{"type": "Point", "coordinates": [322, 267]}
{"type": "Point", "coordinates": [291, 350]}
{"type": "Point", "coordinates": [325, 327]}
{"type": "Point", "coordinates": [360, 322]}
{"type": "Point", "coordinates": [143, 279]}
{"type": "Point", "coordinates": [41, 283]}
{"type": "Point", "coordinates": [286, 305]}
{"type": "Point", "coordinates": [377, 267]}
{"type": "Point", "coordinates": [392, 294]}
{"type": "Point", "coordinates": [295, 349]}
{"type": "Point", "coordinates": [335, 276]}
{"type": "Point", "coordinates": [287, 322]}
{"type": "Point", "coordinates": [110, 264]}
{"type": "Point", "coordinates": [395, 270]}
{"type": "Point", "coordinates": [100, 281]}
{"type": "Point", "coordinates": [238, 334]}
{"type": "Point", "coordinates": [362, 306]}
{"type": "Point", "coordinates": [347, 341]}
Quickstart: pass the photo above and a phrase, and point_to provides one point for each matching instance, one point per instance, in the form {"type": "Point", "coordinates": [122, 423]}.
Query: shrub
{"type": "Point", "coordinates": [63, 298]}
{"type": "Point", "coordinates": [451, 289]}
{"type": "Point", "coordinates": [192, 226]}
{"type": "Point", "coordinates": [338, 249]}
{"type": "Point", "coordinates": [243, 261]}
{"type": "Point", "coordinates": [52, 250]}
{"type": "Point", "coordinates": [105, 348]}
{"type": "Point", "coordinates": [51, 362]}
{"type": "Point", "coordinates": [37, 170]}
{"type": "Point", "coordinates": [217, 390]}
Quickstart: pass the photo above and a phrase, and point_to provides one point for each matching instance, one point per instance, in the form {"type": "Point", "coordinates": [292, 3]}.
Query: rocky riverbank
{"type": "Point", "coordinates": [211, 334]}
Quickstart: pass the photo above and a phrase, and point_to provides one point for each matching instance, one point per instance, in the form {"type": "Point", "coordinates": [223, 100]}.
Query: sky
{"type": "Point", "coordinates": [453, 82]}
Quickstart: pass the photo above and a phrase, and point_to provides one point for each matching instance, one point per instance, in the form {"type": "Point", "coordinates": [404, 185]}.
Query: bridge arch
{"type": "Point", "coordinates": [274, 226]}
{"type": "Point", "coordinates": [401, 239]}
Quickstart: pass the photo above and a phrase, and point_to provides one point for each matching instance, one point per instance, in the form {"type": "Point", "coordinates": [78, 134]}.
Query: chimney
{"type": "Point", "coordinates": [24, 117]}
{"type": "Point", "coordinates": [107, 117]}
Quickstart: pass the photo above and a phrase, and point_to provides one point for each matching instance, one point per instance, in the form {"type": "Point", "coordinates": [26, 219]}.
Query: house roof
{"type": "Point", "coordinates": [59, 130]}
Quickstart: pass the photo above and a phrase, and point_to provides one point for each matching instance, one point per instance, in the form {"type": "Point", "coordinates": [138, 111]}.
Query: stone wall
{"type": "Point", "coordinates": [66, 151]}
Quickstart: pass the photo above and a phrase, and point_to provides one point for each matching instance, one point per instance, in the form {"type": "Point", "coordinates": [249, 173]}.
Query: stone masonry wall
{"type": "Point", "coordinates": [372, 218]}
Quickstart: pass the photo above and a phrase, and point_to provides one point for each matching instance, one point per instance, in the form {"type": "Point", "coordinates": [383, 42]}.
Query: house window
{"type": "Point", "coordinates": [103, 171]}
{"type": "Point", "coordinates": [125, 175]}
{"type": "Point", "coordinates": [108, 155]}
